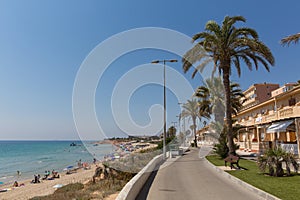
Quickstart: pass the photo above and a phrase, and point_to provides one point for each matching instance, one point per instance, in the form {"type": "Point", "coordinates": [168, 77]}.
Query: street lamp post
{"type": "Point", "coordinates": [174, 124]}
{"type": "Point", "coordinates": [179, 126]}
{"type": "Point", "coordinates": [165, 124]}
{"type": "Point", "coordinates": [184, 132]}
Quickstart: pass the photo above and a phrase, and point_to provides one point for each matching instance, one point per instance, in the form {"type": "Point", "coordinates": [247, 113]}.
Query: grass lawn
{"type": "Point", "coordinates": [282, 187]}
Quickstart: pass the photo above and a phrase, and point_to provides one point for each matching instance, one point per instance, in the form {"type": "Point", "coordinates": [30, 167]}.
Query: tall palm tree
{"type": "Point", "coordinates": [211, 98]}
{"type": "Point", "coordinates": [227, 46]}
{"type": "Point", "coordinates": [290, 39]}
{"type": "Point", "coordinates": [191, 110]}
{"type": "Point", "coordinates": [237, 98]}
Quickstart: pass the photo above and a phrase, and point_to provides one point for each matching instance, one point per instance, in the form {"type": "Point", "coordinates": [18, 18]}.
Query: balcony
{"type": "Point", "coordinates": [286, 112]}
{"type": "Point", "coordinates": [270, 117]}
{"type": "Point", "coordinates": [283, 113]}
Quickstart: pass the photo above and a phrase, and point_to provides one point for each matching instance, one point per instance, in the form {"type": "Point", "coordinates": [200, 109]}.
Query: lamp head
{"type": "Point", "coordinates": [155, 61]}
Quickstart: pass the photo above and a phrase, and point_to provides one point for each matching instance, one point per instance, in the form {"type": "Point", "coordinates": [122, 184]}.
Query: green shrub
{"type": "Point", "coordinates": [221, 148]}
{"type": "Point", "coordinates": [273, 160]}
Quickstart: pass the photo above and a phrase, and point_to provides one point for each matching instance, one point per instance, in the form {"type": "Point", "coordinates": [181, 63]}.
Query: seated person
{"type": "Point", "coordinates": [55, 174]}
{"type": "Point", "coordinates": [45, 175]}
{"type": "Point", "coordinates": [16, 184]}
{"type": "Point", "coordinates": [36, 179]}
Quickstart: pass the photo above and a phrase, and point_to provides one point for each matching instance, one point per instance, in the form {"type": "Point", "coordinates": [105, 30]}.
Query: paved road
{"type": "Point", "coordinates": [189, 178]}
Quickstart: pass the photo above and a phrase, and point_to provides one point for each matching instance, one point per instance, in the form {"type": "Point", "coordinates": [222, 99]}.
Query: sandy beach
{"type": "Point", "coordinates": [46, 186]}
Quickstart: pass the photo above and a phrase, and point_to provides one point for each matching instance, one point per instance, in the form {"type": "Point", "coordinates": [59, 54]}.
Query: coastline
{"type": "Point", "coordinates": [46, 187]}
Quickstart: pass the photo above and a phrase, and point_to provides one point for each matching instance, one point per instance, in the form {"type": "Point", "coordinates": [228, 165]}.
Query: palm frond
{"type": "Point", "coordinates": [236, 62]}
{"type": "Point", "coordinates": [201, 66]}
{"type": "Point", "coordinates": [290, 39]}
{"type": "Point", "coordinates": [229, 21]}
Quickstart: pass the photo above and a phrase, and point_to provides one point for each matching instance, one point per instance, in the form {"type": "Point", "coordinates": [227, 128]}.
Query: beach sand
{"type": "Point", "coordinates": [46, 186]}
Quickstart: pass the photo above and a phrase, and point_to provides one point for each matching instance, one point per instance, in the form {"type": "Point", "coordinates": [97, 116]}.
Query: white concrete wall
{"type": "Point", "coordinates": [134, 186]}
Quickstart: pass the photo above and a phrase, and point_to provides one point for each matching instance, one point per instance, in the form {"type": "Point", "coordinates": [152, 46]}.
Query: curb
{"type": "Point", "coordinates": [249, 187]}
{"type": "Point", "coordinates": [133, 187]}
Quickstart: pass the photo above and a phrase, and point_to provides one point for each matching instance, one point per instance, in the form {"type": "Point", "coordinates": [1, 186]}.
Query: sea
{"type": "Point", "coordinates": [35, 157]}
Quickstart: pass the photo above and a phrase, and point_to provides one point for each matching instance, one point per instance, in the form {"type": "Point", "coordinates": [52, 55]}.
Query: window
{"type": "Point", "coordinates": [292, 102]}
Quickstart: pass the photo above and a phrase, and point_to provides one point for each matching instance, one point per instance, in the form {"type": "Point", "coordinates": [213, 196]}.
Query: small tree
{"type": "Point", "coordinates": [273, 159]}
{"type": "Point", "coordinates": [171, 132]}
{"type": "Point", "coordinates": [191, 110]}
{"type": "Point", "coordinates": [222, 148]}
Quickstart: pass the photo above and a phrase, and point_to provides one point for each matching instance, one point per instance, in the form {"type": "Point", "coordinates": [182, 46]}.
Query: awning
{"type": "Point", "coordinates": [279, 126]}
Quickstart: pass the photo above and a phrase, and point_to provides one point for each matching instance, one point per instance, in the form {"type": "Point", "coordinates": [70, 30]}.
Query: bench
{"type": "Point", "coordinates": [232, 160]}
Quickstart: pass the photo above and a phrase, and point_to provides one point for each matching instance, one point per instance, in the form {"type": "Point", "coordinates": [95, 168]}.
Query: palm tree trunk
{"type": "Point", "coordinates": [228, 111]}
{"type": "Point", "coordinates": [195, 140]}
{"type": "Point", "coordinates": [219, 112]}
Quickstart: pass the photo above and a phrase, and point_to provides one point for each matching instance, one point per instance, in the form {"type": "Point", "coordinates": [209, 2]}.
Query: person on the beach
{"type": "Point", "coordinates": [18, 173]}
{"type": "Point", "coordinates": [79, 163]}
{"type": "Point", "coordinates": [54, 174]}
{"type": "Point", "coordinates": [16, 184]}
{"type": "Point", "coordinates": [36, 179]}
{"type": "Point", "coordinates": [94, 161]}
{"type": "Point", "coordinates": [46, 175]}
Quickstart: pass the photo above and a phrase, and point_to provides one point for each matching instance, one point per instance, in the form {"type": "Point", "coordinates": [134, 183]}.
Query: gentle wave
{"type": "Point", "coordinates": [6, 177]}
{"type": "Point", "coordinates": [35, 157]}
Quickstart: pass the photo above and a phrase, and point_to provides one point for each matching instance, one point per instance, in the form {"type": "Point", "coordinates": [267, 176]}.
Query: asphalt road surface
{"type": "Point", "coordinates": [189, 178]}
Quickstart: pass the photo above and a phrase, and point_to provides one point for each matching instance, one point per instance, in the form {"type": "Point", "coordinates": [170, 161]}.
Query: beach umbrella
{"type": "Point", "coordinates": [68, 168]}
{"type": "Point", "coordinates": [1, 183]}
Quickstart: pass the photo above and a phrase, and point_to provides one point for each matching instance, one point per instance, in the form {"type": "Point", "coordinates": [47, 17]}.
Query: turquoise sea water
{"type": "Point", "coordinates": [34, 157]}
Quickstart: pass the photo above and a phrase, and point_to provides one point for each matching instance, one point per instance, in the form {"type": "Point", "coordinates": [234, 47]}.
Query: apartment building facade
{"type": "Point", "coordinates": [270, 121]}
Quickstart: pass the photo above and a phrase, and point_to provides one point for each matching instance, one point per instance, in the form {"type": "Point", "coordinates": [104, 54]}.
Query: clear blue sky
{"type": "Point", "coordinates": [43, 43]}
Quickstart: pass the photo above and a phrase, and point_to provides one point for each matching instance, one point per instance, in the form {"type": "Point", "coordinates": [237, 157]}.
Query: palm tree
{"type": "Point", "coordinates": [290, 39]}
{"type": "Point", "coordinates": [273, 160]}
{"type": "Point", "coordinates": [211, 98]}
{"type": "Point", "coordinates": [237, 98]}
{"type": "Point", "coordinates": [191, 110]}
{"type": "Point", "coordinates": [171, 132]}
{"type": "Point", "coordinates": [227, 45]}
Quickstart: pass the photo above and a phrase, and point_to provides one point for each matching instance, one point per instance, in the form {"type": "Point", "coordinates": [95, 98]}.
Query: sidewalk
{"type": "Point", "coordinates": [191, 177]}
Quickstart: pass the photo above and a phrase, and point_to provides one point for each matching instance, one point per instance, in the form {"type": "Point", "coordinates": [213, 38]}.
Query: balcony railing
{"type": "Point", "coordinates": [283, 113]}
{"type": "Point", "coordinates": [287, 112]}
{"type": "Point", "coordinates": [270, 117]}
